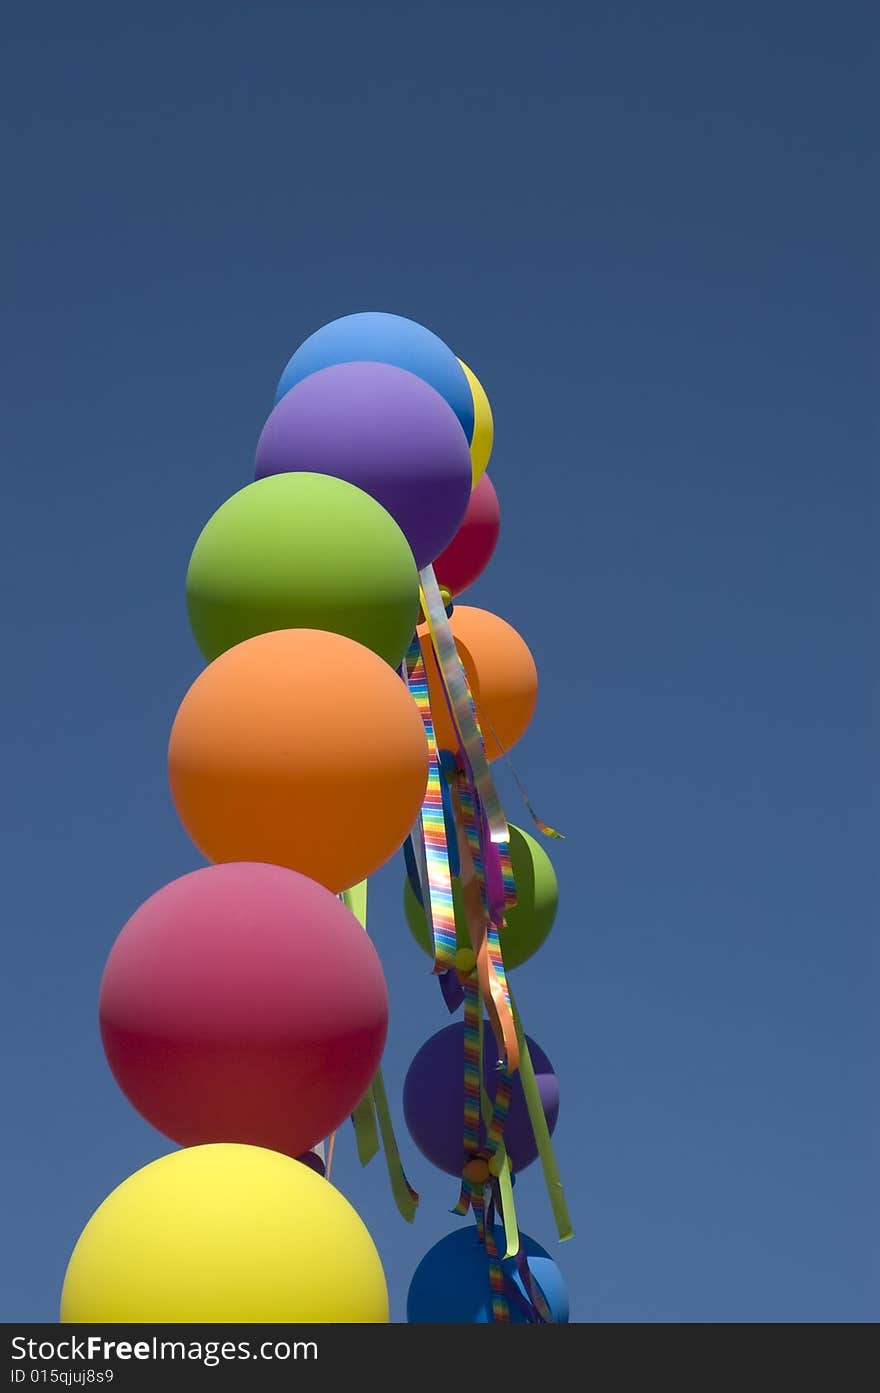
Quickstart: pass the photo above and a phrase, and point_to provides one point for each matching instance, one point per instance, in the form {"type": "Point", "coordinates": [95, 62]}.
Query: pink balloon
{"type": "Point", "coordinates": [244, 1003]}
{"type": "Point", "coordinates": [470, 550]}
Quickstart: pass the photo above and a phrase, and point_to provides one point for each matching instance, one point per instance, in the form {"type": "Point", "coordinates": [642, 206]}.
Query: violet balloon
{"type": "Point", "coordinates": [433, 1099]}
{"type": "Point", "coordinates": [387, 432]}
{"type": "Point", "coordinates": [313, 1161]}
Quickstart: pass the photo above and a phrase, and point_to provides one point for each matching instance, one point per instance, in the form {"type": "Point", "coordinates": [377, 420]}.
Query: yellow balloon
{"type": "Point", "coordinates": [225, 1233]}
{"type": "Point", "coordinates": [484, 426]}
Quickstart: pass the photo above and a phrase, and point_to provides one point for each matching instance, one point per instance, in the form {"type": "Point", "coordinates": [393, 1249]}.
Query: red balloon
{"type": "Point", "coordinates": [244, 1003]}
{"type": "Point", "coordinates": [470, 550]}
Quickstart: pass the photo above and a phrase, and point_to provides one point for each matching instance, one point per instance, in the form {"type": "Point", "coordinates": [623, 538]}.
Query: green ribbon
{"type": "Point", "coordinates": [555, 1191]}
{"type": "Point", "coordinates": [373, 1107]}
{"type": "Point", "coordinates": [500, 1167]}
{"type": "Point", "coordinates": [365, 1130]}
{"type": "Point", "coordinates": [356, 900]}
{"type": "Point", "coordinates": [405, 1197]}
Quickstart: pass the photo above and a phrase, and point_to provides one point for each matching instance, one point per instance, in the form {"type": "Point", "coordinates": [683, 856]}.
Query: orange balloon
{"type": "Point", "coordinates": [501, 674]}
{"type": "Point", "coordinates": [301, 748]}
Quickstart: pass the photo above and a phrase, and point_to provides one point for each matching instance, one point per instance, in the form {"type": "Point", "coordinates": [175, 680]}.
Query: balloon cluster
{"type": "Point", "coordinates": [342, 715]}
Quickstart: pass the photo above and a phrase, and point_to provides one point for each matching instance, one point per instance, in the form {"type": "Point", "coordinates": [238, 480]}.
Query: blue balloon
{"type": "Point", "coordinates": [384, 338]}
{"type": "Point", "coordinates": [451, 1283]}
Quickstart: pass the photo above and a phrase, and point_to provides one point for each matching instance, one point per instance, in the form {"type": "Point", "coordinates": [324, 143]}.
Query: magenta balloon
{"type": "Point", "coordinates": [471, 549]}
{"type": "Point", "coordinates": [433, 1099]}
{"type": "Point", "coordinates": [384, 430]}
{"type": "Point", "coordinates": [244, 1003]}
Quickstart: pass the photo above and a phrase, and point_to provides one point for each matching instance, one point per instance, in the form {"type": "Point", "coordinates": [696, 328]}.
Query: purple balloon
{"type": "Point", "coordinates": [384, 430]}
{"type": "Point", "coordinates": [433, 1099]}
{"type": "Point", "coordinates": [313, 1161]}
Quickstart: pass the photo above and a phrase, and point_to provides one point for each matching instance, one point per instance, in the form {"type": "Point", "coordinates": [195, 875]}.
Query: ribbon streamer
{"type": "Point", "coordinates": [476, 1175]}
{"type": "Point", "coordinates": [541, 1132]}
{"type": "Point", "coordinates": [541, 826]}
{"type": "Point", "coordinates": [499, 1166]}
{"type": "Point", "coordinates": [494, 865]}
{"type": "Point", "coordinates": [531, 1300]}
{"type": "Point", "coordinates": [414, 854]}
{"type": "Point", "coordinates": [365, 1131]}
{"type": "Point", "coordinates": [463, 714]}
{"type": "Point", "coordinates": [483, 933]}
{"type": "Point", "coordinates": [451, 991]}
{"type": "Point", "coordinates": [405, 1197]}
{"type": "Point", "coordinates": [438, 905]}
{"type": "Point", "coordinates": [535, 1297]}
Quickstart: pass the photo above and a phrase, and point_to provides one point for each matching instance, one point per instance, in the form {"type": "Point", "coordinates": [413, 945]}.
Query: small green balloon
{"type": "Point", "coordinates": [527, 923]}
{"type": "Point", "coordinates": [303, 551]}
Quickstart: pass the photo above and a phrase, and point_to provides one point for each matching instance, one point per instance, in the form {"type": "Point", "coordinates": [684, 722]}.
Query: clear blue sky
{"type": "Point", "coordinates": [649, 229]}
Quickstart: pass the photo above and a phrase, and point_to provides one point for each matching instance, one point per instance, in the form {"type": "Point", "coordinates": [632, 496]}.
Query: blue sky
{"type": "Point", "coordinates": [650, 231]}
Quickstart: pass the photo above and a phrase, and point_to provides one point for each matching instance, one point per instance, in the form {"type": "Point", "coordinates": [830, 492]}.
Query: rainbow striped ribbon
{"type": "Point", "coordinates": [493, 947]}
{"type": "Point", "coordinates": [492, 988]}
{"type": "Point", "coordinates": [475, 1172]}
{"type": "Point", "coordinates": [539, 1311]}
{"type": "Point", "coordinates": [530, 1299]}
{"type": "Point", "coordinates": [493, 863]}
{"type": "Point", "coordinates": [491, 859]}
{"type": "Point", "coordinates": [468, 804]}
{"type": "Point", "coordinates": [439, 910]}
{"type": "Point", "coordinates": [497, 1281]}
{"type": "Point", "coordinates": [453, 679]}
{"type": "Point", "coordinates": [507, 879]}
{"type": "Point", "coordinates": [473, 1066]}
{"type": "Point", "coordinates": [503, 1091]}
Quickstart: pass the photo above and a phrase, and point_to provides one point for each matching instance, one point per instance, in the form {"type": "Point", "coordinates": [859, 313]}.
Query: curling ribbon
{"type": "Point", "coordinates": [438, 907]}
{"type": "Point", "coordinates": [476, 1176]}
{"type": "Point", "coordinates": [453, 679]}
{"type": "Point", "coordinates": [405, 1197]}
{"type": "Point", "coordinates": [541, 826]}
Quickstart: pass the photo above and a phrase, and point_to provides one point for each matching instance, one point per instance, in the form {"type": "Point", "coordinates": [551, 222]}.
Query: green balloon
{"type": "Point", "coordinates": [303, 551]}
{"type": "Point", "coordinates": [527, 923]}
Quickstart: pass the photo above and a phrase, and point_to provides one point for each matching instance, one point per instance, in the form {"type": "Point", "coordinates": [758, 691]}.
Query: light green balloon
{"type": "Point", "coordinates": [303, 551]}
{"type": "Point", "coordinates": [527, 923]}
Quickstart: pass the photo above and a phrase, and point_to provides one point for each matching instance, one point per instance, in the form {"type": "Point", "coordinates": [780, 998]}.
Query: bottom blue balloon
{"type": "Point", "coordinates": [451, 1283]}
